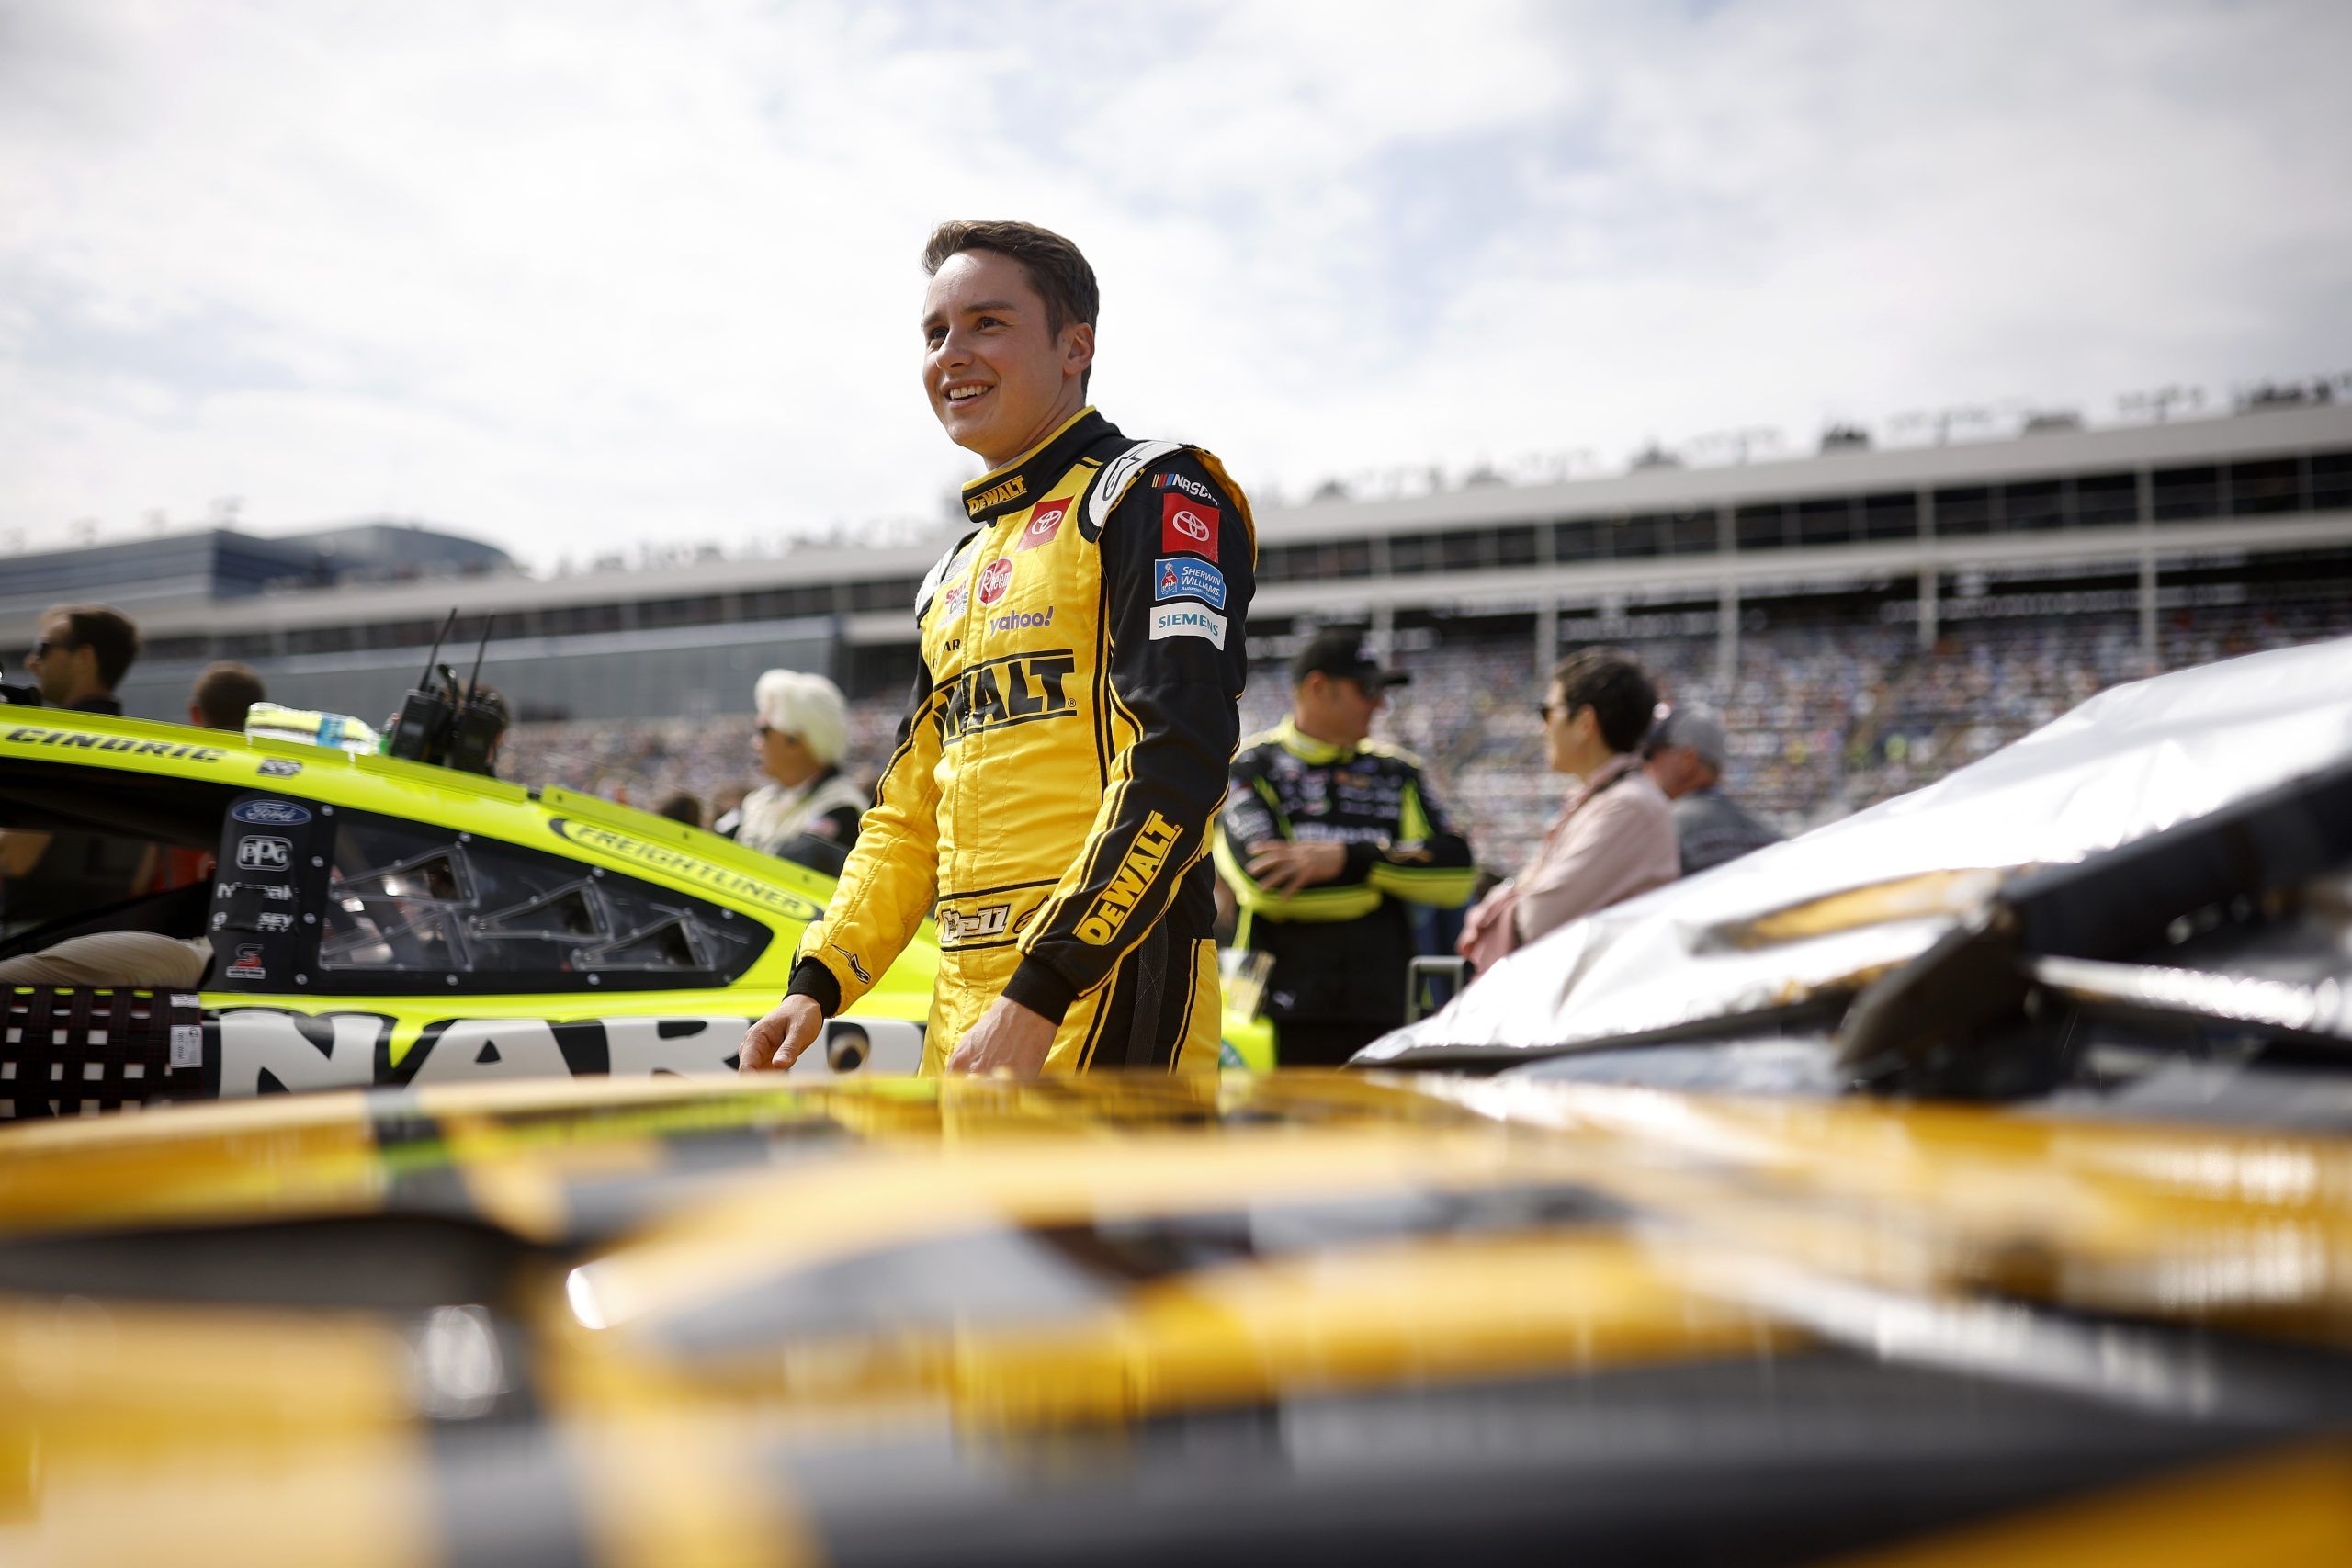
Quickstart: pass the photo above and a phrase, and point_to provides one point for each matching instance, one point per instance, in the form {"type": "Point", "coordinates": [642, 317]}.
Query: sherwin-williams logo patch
{"type": "Point", "coordinates": [1013, 690]}
{"type": "Point", "coordinates": [1012, 489]}
{"type": "Point", "coordinates": [1043, 524]}
{"type": "Point", "coordinates": [1183, 579]}
{"type": "Point", "coordinates": [686, 868]}
{"type": "Point", "coordinates": [1187, 620]}
{"type": "Point", "coordinates": [1144, 860]}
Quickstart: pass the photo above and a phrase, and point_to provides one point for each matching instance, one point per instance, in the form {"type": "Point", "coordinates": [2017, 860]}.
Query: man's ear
{"type": "Point", "coordinates": [1078, 349]}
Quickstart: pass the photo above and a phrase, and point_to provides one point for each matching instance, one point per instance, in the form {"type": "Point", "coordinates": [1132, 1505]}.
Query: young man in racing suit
{"type": "Point", "coordinates": [1065, 750]}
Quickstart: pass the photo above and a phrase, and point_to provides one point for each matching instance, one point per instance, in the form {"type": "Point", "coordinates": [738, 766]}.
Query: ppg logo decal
{"type": "Point", "coordinates": [271, 814]}
{"type": "Point", "coordinates": [258, 853]}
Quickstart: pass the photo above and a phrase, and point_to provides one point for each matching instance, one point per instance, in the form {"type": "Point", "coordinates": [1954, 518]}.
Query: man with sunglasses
{"type": "Point", "coordinates": [82, 653]}
{"type": "Point", "coordinates": [1327, 837]}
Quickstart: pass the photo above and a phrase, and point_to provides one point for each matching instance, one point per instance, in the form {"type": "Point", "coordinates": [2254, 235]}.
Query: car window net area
{"type": "Point", "coordinates": [406, 900]}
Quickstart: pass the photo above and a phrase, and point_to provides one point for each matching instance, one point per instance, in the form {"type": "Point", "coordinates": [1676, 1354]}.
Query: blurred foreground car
{"type": "Point", "coordinates": [378, 921]}
{"type": "Point", "coordinates": [1360, 1317]}
{"type": "Point", "coordinates": [1308, 1317]}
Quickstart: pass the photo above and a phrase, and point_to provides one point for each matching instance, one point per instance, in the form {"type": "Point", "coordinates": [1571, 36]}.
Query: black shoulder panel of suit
{"type": "Point", "coordinates": [1177, 577]}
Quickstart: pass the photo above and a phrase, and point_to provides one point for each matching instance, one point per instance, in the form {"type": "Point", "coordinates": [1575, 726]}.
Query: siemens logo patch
{"type": "Point", "coordinates": [1145, 858]}
{"type": "Point", "coordinates": [1187, 620]}
{"type": "Point", "coordinates": [1015, 689]}
{"type": "Point", "coordinates": [1021, 620]}
{"type": "Point", "coordinates": [1184, 578]}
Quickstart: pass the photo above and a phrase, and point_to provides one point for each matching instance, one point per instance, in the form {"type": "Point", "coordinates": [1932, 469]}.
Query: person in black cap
{"type": "Point", "coordinates": [1326, 836]}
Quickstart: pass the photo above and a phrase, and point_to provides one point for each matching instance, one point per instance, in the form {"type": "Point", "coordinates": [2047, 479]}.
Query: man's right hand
{"type": "Point", "coordinates": [775, 1042]}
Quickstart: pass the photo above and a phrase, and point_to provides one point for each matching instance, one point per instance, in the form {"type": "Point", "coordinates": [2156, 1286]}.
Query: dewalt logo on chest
{"type": "Point", "coordinates": [1017, 688]}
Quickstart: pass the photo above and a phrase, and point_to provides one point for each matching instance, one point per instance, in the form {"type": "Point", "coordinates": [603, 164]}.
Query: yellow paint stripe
{"type": "Point", "coordinates": [2282, 1510]}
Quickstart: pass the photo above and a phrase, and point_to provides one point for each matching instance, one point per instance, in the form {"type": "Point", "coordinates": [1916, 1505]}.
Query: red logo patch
{"type": "Point", "coordinates": [1188, 526]}
{"type": "Point", "coordinates": [1043, 524]}
{"type": "Point", "coordinates": [995, 580]}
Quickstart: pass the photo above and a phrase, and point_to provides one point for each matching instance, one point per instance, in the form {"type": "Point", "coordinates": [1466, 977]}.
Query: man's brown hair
{"type": "Point", "coordinates": [223, 692]}
{"type": "Point", "coordinates": [1058, 269]}
{"type": "Point", "coordinates": [104, 631]}
{"type": "Point", "coordinates": [1607, 681]}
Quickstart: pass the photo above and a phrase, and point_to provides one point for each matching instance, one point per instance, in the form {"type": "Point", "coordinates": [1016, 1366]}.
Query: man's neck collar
{"type": "Point", "coordinates": [1310, 748]}
{"type": "Point", "coordinates": [1015, 486]}
{"type": "Point", "coordinates": [1610, 767]}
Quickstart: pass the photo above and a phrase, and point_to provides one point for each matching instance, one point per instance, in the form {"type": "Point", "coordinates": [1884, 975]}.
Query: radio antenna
{"type": "Point", "coordinates": [473, 681]}
{"type": "Point", "coordinates": [425, 680]}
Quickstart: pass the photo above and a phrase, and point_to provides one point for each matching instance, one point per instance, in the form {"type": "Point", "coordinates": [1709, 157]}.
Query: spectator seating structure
{"type": "Point", "coordinates": [1822, 720]}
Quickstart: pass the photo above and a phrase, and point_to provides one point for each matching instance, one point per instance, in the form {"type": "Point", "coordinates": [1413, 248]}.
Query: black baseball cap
{"type": "Point", "coordinates": [1343, 656]}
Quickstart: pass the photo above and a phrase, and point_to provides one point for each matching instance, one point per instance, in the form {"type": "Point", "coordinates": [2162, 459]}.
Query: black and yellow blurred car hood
{"type": "Point", "coordinates": [1301, 1317]}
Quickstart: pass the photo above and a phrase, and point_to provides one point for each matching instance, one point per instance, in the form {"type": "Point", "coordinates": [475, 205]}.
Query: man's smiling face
{"type": "Point", "coordinates": [998, 380]}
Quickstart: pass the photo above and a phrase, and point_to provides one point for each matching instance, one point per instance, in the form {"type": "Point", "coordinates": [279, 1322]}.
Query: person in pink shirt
{"type": "Point", "coordinates": [1615, 835]}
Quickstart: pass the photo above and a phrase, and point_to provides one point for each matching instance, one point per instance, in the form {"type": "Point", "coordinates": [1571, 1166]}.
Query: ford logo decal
{"type": "Point", "coordinates": [270, 813]}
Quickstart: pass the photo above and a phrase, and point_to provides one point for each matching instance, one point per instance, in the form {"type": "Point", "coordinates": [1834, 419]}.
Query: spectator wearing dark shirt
{"type": "Point", "coordinates": [82, 654]}
{"type": "Point", "coordinates": [1685, 759]}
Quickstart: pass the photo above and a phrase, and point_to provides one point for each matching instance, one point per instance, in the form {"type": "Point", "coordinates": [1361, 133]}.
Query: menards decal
{"type": "Point", "coordinates": [691, 868]}
{"type": "Point", "coordinates": [37, 735]}
{"type": "Point", "coordinates": [270, 1050]}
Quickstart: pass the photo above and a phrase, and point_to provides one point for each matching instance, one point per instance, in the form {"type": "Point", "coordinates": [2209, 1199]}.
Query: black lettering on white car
{"type": "Point", "coordinates": [657, 1047]}
{"type": "Point", "coordinates": [269, 1050]}
{"type": "Point", "coordinates": [477, 1050]}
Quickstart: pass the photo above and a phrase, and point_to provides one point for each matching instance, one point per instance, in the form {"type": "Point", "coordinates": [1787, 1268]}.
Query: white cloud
{"type": "Point", "coordinates": [577, 276]}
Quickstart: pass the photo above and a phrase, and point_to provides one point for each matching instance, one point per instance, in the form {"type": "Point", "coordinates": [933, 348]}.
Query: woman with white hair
{"type": "Point", "coordinates": [808, 812]}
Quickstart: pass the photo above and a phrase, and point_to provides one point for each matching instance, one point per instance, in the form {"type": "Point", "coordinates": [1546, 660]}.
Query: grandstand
{"type": "Point", "coordinates": [1864, 619]}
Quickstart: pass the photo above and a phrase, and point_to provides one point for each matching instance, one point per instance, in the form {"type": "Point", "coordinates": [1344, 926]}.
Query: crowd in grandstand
{"type": "Point", "coordinates": [1822, 720]}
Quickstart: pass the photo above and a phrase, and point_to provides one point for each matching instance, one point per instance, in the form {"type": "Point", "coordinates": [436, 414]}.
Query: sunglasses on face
{"type": "Point", "coordinates": [47, 646]}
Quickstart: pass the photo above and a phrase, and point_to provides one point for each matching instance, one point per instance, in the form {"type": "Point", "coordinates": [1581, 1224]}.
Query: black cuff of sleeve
{"type": "Point", "coordinates": [1039, 989]}
{"type": "Point", "coordinates": [813, 980]}
{"type": "Point", "coordinates": [1362, 857]}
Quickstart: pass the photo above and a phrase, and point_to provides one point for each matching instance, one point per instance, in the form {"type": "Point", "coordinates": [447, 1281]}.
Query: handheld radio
{"type": "Point", "coordinates": [479, 724]}
{"type": "Point", "coordinates": [421, 732]}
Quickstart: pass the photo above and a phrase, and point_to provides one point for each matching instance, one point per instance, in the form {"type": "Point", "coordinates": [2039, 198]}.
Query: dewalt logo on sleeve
{"type": "Point", "coordinates": [1144, 859]}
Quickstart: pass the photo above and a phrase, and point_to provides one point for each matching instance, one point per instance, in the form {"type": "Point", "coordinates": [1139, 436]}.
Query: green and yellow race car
{"type": "Point", "coordinates": [374, 921]}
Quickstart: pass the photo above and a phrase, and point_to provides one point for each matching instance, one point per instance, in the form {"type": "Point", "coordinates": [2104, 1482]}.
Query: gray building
{"type": "Point", "coordinates": [2125, 520]}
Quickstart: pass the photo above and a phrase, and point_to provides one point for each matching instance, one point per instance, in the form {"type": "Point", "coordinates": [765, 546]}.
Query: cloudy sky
{"type": "Point", "coordinates": [582, 276]}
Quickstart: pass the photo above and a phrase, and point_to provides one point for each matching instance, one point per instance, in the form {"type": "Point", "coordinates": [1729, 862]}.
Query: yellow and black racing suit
{"type": "Point", "coordinates": [1053, 785]}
